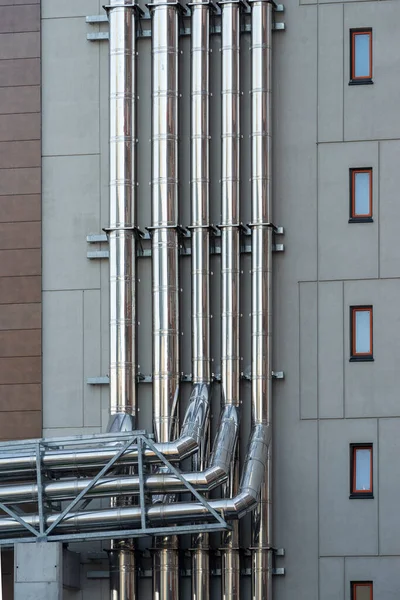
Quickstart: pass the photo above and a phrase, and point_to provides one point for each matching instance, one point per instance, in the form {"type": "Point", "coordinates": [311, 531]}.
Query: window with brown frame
{"type": "Point", "coordinates": [361, 195]}
{"type": "Point", "coordinates": [361, 56]}
{"type": "Point", "coordinates": [362, 590]}
{"type": "Point", "coordinates": [361, 333]}
{"type": "Point", "coordinates": [361, 480]}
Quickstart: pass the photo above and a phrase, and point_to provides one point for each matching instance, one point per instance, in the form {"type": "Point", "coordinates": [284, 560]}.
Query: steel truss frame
{"type": "Point", "coordinates": [122, 442]}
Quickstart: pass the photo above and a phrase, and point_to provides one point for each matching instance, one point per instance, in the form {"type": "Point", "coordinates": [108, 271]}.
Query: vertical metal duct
{"type": "Point", "coordinates": [200, 93]}
{"type": "Point", "coordinates": [230, 265]}
{"type": "Point", "coordinates": [121, 233]}
{"type": "Point", "coordinates": [262, 230]}
{"type": "Point", "coordinates": [166, 375]}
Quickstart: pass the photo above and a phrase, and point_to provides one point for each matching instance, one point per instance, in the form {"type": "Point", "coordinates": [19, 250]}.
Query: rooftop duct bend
{"type": "Point", "coordinates": [165, 254]}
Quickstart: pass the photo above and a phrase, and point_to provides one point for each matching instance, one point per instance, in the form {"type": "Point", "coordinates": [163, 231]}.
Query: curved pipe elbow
{"type": "Point", "coordinates": [193, 427]}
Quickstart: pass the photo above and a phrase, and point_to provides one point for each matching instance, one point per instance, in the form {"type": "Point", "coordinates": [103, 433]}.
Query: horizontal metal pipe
{"type": "Point", "coordinates": [166, 514]}
{"type": "Point", "coordinates": [203, 481]}
{"type": "Point", "coordinates": [80, 460]}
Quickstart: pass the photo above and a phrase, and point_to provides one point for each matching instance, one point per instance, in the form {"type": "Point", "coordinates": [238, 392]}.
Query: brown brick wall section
{"type": "Point", "coordinates": [20, 221]}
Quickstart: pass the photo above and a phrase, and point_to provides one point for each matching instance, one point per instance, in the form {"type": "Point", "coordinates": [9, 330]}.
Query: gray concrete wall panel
{"type": "Point", "coordinates": [346, 250]}
{"type": "Point", "coordinates": [330, 73]}
{"type": "Point", "coordinates": [342, 522]}
{"type": "Point", "coordinates": [330, 349]}
{"type": "Point", "coordinates": [331, 578]}
{"type": "Point", "coordinates": [366, 107]}
{"type": "Point", "coordinates": [389, 486]}
{"type": "Point", "coordinates": [71, 100]}
{"type": "Point", "coordinates": [383, 571]}
{"type": "Point", "coordinates": [389, 209]}
{"type": "Point", "coordinates": [70, 213]}
{"type": "Point", "coordinates": [91, 356]}
{"type": "Point", "coordinates": [62, 370]}
{"type": "Point", "coordinates": [371, 388]}
{"type": "Point", "coordinates": [294, 142]}
{"type": "Point", "coordinates": [73, 8]}
{"type": "Point", "coordinates": [308, 351]}
{"type": "Point", "coordinates": [296, 508]}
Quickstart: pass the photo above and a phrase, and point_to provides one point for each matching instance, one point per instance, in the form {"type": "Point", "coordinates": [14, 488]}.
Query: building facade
{"type": "Point", "coordinates": [336, 292]}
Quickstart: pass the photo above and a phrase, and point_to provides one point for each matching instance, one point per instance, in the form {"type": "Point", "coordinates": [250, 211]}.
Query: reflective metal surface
{"type": "Point", "coordinates": [177, 512]}
{"type": "Point", "coordinates": [122, 248]}
{"type": "Point", "coordinates": [261, 320]}
{"type": "Point", "coordinates": [122, 207]}
{"type": "Point", "coordinates": [200, 179]}
{"type": "Point", "coordinates": [166, 373]}
{"type": "Point", "coordinates": [205, 481]}
{"type": "Point", "coordinates": [81, 460]}
{"type": "Point", "coordinates": [165, 253]}
{"type": "Point", "coordinates": [230, 266]}
{"type": "Point", "coordinates": [122, 571]}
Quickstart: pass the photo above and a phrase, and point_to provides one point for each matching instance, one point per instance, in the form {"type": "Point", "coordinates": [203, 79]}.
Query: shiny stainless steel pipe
{"type": "Point", "coordinates": [178, 512]}
{"type": "Point", "coordinates": [165, 248]}
{"type": "Point", "coordinates": [261, 321]}
{"type": "Point", "coordinates": [122, 572]}
{"type": "Point", "coordinates": [200, 180]}
{"type": "Point", "coordinates": [230, 265]}
{"type": "Point", "coordinates": [122, 17]}
{"type": "Point", "coordinates": [65, 461]}
{"type": "Point", "coordinates": [122, 247]}
{"type": "Point", "coordinates": [165, 254]}
{"type": "Point", "coordinates": [203, 481]}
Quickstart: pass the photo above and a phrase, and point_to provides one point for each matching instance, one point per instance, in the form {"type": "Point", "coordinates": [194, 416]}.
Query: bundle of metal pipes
{"type": "Point", "coordinates": [221, 468]}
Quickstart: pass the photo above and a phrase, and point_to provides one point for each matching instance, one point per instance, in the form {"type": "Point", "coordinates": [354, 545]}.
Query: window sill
{"type": "Point", "coordinates": [360, 82]}
{"type": "Point", "coordinates": [361, 359]}
{"type": "Point", "coordinates": [361, 496]}
{"type": "Point", "coordinates": [361, 220]}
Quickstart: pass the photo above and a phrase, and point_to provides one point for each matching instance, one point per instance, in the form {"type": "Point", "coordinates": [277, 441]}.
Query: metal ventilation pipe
{"type": "Point", "coordinates": [129, 485]}
{"type": "Point", "coordinates": [200, 178]}
{"type": "Point", "coordinates": [176, 513]}
{"type": "Point", "coordinates": [121, 234]}
{"type": "Point", "coordinates": [230, 265]}
{"type": "Point", "coordinates": [261, 321]}
{"type": "Point", "coordinates": [165, 253]}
